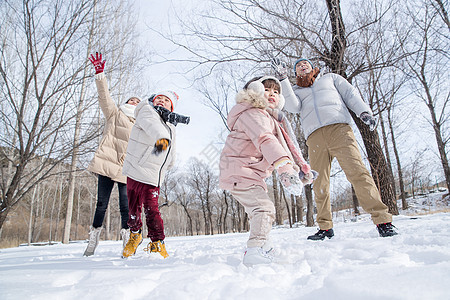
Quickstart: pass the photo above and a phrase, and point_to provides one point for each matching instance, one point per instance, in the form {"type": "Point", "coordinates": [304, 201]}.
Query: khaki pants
{"type": "Point", "coordinates": [261, 213]}
{"type": "Point", "coordinates": [338, 141]}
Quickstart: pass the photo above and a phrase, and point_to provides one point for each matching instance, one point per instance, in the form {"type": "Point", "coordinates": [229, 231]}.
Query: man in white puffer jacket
{"type": "Point", "coordinates": [323, 103]}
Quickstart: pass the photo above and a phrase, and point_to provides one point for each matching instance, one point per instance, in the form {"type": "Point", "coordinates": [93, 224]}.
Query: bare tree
{"type": "Point", "coordinates": [40, 76]}
{"type": "Point", "coordinates": [117, 40]}
{"type": "Point", "coordinates": [441, 8]}
{"type": "Point", "coordinates": [204, 182]}
{"type": "Point", "coordinates": [296, 122]}
{"type": "Point", "coordinates": [427, 66]}
{"type": "Point", "coordinates": [390, 92]}
{"type": "Point", "coordinates": [185, 199]}
{"type": "Point", "coordinates": [378, 164]}
{"type": "Point", "coordinates": [277, 199]}
{"type": "Point", "coordinates": [76, 136]}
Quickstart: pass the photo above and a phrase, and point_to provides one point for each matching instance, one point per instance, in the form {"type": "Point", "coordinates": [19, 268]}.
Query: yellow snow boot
{"type": "Point", "coordinates": [132, 245]}
{"type": "Point", "coordinates": [158, 247]}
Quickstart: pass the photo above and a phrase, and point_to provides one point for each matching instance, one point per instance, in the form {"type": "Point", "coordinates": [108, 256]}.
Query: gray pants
{"type": "Point", "coordinates": [261, 213]}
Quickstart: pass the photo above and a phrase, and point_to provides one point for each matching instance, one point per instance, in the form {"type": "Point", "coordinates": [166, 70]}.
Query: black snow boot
{"type": "Point", "coordinates": [321, 234]}
{"type": "Point", "coordinates": [386, 229]}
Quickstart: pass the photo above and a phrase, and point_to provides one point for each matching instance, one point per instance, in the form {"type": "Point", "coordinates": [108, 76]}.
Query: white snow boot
{"type": "Point", "coordinates": [94, 237]}
{"type": "Point", "coordinates": [125, 235]}
{"type": "Point", "coordinates": [255, 256]}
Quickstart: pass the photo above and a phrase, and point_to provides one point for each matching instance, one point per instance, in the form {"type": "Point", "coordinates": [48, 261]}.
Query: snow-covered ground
{"type": "Point", "coordinates": [355, 264]}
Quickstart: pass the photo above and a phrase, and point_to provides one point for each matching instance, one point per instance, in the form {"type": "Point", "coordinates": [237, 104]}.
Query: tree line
{"type": "Point", "coordinates": [396, 54]}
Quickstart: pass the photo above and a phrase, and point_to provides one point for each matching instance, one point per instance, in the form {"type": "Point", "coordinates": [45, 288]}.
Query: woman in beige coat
{"type": "Point", "coordinates": [109, 157]}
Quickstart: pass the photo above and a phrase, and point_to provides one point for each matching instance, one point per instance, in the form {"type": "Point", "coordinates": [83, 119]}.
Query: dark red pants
{"type": "Point", "coordinates": [144, 194]}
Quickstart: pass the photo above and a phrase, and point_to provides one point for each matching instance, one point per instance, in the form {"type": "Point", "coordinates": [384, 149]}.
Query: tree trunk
{"type": "Point", "coordinates": [287, 206]}
{"type": "Point", "coordinates": [299, 208]}
{"type": "Point", "coordinates": [58, 215]}
{"type": "Point", "coordinates": [30, 221]}
{"type": "Point", "coordinates": [225, 213]}
{"type": "Point", "coordinates": [371, 141]}
{"type": "Point", "coordinates": [77, 222]}
{"type": "Point", "coordinates": [52, 211]}
{"type": "Point", "coordinates": [245, 223]}
{"type": "Point", "coordinates": [335, 59]}
{"type": "Point", "coordinates": [438, 134]}
{"type": "Point", "coordinates": [355, 202]}
{"type": "Point", "coordinates": [191, 229]}
{"type": "Point", "coordinates": [42, 200]}
{"type": "Point", "coordinates": [240, 218]}
{"type": "Point", "coordinates": [293, 209]}
{"type": "Point", "coordinates": [378, 166]}
{"type": "Point", "coordinates": [397, 158]}
{"type": "Point", "coordinates": [108, 223]}
{"type": "Point", "coordinates": [277, 200]}
{"type": "Point", "coordinates": [309, 206]}
{"type": "Point", "coordinates": [211, 223]}
{"type": "Point", "coordinates": [386, 149]}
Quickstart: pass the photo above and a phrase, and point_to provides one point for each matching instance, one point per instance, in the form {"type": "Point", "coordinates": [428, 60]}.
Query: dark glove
{"type": "Point", "coordinates": [369, 120]}
{"type": "Point", "coordinates": [99, 65]}
{"type": "Point", "coordinates": [171, 117]}
{"type": "Point", "coordinates": [279, 68]}
{"type": "Point", "coordinates": [161, 145]}
{"type": "Point", "coordinates": [308, 178]}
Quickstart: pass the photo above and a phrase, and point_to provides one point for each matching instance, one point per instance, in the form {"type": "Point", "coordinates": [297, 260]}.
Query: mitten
{"type": "Point", "coordinates": [99, 65]}
{"type": "Point", "coordinates": [369, 120]}
{"type": "Point", "coordinates": [308, 178]}
{"type": "Point", "coordinates": [279, 68]}
{"type": "Point", "coordinates": [289, 178]}
{"type": "Point", "coordinates": [161, 145]}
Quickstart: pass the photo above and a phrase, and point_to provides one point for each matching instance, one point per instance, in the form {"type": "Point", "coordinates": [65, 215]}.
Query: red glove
{"type": "Point", "coordinates": [99, 65]}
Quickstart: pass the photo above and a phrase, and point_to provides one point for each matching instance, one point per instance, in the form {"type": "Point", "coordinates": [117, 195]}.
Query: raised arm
{"type": "Point", "coordinates": [109, 108]}
{"type": "Point", "coordinates": [292, 104]}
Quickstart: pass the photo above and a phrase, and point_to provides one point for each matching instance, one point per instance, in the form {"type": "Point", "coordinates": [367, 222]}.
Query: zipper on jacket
{"type": "Point", "coordinates": [315, 106]}
{"type": "Point", "coordinates": [167, 155]}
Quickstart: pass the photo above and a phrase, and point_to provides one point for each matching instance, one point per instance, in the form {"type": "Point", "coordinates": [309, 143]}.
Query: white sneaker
{"type": "Point", "coordinates": [94, 237]}
{"type": "Point", "coordinates": [268, 247]}
{"type": "Point", "coordinates": [255, 256]}
{"type": "Point", "coordinates": [125, 234]}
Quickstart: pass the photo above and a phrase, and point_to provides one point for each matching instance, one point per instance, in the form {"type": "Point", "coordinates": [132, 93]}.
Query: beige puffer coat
{"type": "Point", "coordinates": [110, 155]}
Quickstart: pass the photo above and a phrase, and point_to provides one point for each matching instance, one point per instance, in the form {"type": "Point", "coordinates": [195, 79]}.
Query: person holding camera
{"type": "Point", "coordinates": [109, 157]}
{"type": "Point", "coordinates": [150, 153]}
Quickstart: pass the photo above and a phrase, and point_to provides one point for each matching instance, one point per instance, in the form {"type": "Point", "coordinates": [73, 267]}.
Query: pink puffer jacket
{"type": "Point", "coordinates": [253, 145]}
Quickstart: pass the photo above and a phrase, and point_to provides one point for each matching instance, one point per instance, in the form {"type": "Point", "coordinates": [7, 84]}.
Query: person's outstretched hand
{"type": "Point", "coordinates": [279, 68]}
{"type": "Point", "coordinates": [96, 60]}
{"type": "Point", "coordinates": [290, 180]}
{"type": "Point", "coordinates": [369, 120]}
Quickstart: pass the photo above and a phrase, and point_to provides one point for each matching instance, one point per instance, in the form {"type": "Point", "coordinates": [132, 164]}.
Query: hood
{"type": "Point", "coordinates": [252, 97]}
{"type": "Point", "coordinates": [245, 99]}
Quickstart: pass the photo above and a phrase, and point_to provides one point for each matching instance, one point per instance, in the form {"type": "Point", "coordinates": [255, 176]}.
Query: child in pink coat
{"type": "Point", "coordinates": [258, 143]}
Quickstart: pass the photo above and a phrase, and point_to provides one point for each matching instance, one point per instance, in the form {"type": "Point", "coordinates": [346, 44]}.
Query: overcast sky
{"type": "Point", "coordinates": [202, 133]}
